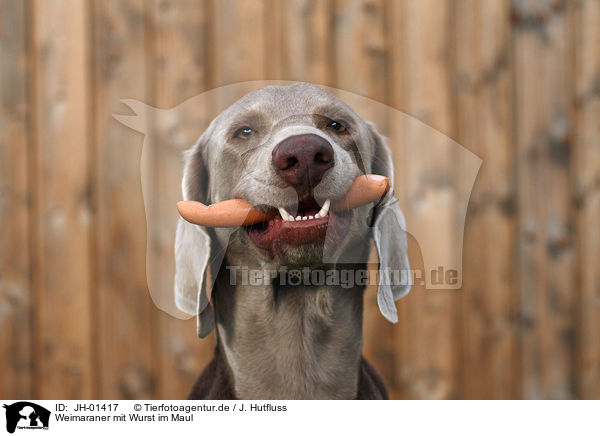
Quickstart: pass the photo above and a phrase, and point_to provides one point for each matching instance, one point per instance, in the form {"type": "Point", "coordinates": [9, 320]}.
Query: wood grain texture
{"type": "Point", "coordinates": [16, 298]}
{"type": "Point", "coordinates": [179, 71]}
{"type": "Point", "coordinates": [483, 86]}
{"type": "Point", "coordinates": [543, 115]}
{"type": "Point", "coordinates": [124, 311]}
{"type": "Point", "coordinates": [430, 364]}
{"type": "Point", "coordinates": [517, 82]}
{"type": "Point", "coordinates": [307, 52]}
{"type": "Point", "coordinates": [238, 41]}
{"type": "Point", "coordinates": [361, 60]}
{"type": "Point", "coordinates": [62, 209]}
{"type": "Point", "coordinates": [395, 83]}
{"type": "Point", "coordinates": [586, 181]}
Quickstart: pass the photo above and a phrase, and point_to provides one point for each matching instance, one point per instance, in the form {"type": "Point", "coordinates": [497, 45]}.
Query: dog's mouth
{"type": "Point", "coordinates": [310, 224]}
{"type": "Point", "coordinates": [296, 237]}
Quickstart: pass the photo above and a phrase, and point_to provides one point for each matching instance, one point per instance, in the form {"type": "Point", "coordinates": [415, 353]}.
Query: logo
{"type": "Point", "coordinates": [26, 415]}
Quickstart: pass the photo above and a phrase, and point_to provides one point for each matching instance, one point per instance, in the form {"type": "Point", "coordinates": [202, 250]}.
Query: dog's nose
{"type": "Point", "coordinates": [302, 160]}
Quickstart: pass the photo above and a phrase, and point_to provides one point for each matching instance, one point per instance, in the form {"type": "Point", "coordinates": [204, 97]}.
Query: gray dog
{"type": "Point", "coordinates": [289, 151]}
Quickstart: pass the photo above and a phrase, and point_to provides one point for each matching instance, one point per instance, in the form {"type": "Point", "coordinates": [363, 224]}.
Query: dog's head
{"type": "Point", "coordinates": [289, 151]}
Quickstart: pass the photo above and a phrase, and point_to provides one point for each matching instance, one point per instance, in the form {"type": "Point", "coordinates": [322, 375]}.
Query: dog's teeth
{"type": "Point", "coordinates": [304, 218]}
{"type": "Point", "coordinates": [285, 215]}
{"type": "Point", "coordinates": [298, 218]}
{"type": "Point", "coordinates": [324, 210]}
{"type": "Point", "coordinates": [310, 217]}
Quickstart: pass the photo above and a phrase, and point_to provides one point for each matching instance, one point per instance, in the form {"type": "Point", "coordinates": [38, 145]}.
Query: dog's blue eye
{"type": "Point", "coordinates": [244, 133]}
{"type": "Point", "coordinates": [337, 126]}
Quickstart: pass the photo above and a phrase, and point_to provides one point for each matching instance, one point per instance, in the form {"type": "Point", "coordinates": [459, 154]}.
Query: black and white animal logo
{"type": "Point", "coordinates": [26, 415]}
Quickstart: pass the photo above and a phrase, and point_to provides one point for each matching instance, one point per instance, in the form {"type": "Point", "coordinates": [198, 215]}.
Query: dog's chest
{"type": "Point", "coordinates": [305, 348]}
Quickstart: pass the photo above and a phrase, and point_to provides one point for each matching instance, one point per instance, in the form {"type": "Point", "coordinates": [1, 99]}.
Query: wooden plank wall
{"type": "Point", "coordinates": [484, 125]}
{"type": "Point", "coordinates": [585, 170]}
{"type": "Point", "coordinates": [16, 265]}
{"type": "Point", "coordinates": [516, 82]}
{"type": "Point", "coordinates": [177, 71]}
{"type": "Point", "coordinates": [61, 207]}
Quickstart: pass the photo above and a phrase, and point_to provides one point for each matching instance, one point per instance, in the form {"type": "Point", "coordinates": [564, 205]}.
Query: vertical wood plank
{"type": "Point", "coordinates": [179, 72]}
{"type": "Point", "coordinates": [274, 10]}
{"type": "Point", "coordinates": [307, 53]}
{"type": "Point", "coordinates": [238, 55]}
{"type": "Point", "coordinates": [543, 133]}
{"type": "Point", "coordinates": [360, 67]}
{"type": "Point", "coordinates": [15, 263]}
{"type": "Point", "coordinates": [359, 47]}
{"type": "Point", "coordinates": [124, 310]}
{"type": "Point", "coordinates": [429, 366]}
{"type": "Point", "coordinates": [238, 49]}
{"type": "Point", "coordinates": [484, 126]}
{"type": "Point", "coordinates": [61, 205]}
{"type": "Point", "coordinates": [395, 40]}
{"type": "Point", "coordinates": [586, 170]}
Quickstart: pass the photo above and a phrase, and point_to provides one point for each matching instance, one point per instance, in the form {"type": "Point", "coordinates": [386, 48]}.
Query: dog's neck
{"type": "Point", "coordinates": [289, 342]}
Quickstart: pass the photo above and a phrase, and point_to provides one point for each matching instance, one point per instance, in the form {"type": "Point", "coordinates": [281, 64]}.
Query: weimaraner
{"type": "Point", "coordinates": [289, 151]}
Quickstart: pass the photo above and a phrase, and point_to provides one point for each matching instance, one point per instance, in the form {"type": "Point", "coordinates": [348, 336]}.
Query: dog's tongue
{"type": "Point", "coordinates": [237, 212]}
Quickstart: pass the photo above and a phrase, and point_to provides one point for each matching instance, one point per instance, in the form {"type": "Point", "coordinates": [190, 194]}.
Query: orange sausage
{"type": "Point", "coordinates": [238, 212]}
{"type": "Point", "coordinates": [365, 189]}
{"type": "Point", "coordinates": [228, 213]}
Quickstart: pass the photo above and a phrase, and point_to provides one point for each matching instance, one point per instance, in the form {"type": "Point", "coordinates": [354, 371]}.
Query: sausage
{"type": "Point", "coordinates": [238, 212]}
{"type": "Point", "coordinates": [228, 213]}
{"type": "Point", "coordinates": [365, 189]}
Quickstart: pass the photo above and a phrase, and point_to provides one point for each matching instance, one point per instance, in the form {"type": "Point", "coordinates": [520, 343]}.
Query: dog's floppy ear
{"type": "Point", "coordinates": [389, 235]}
{"type": "Point", "coordinates": [193, 244]}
